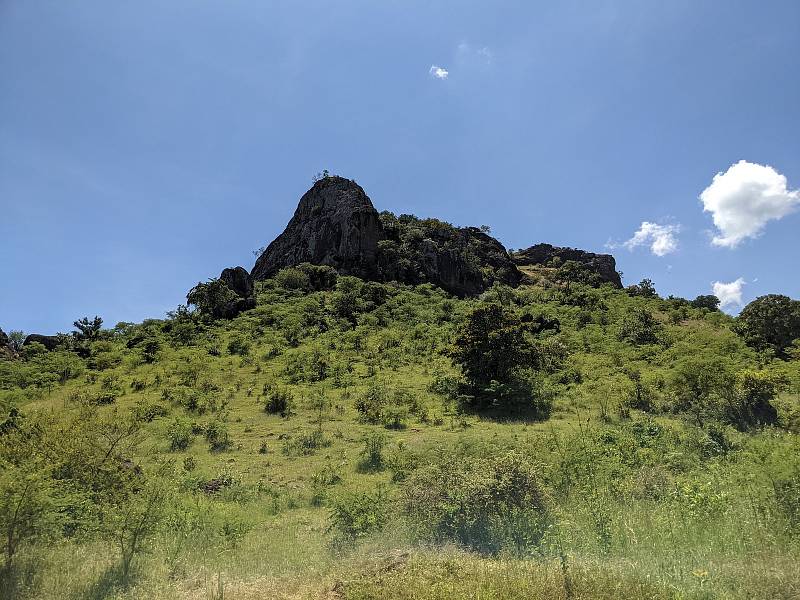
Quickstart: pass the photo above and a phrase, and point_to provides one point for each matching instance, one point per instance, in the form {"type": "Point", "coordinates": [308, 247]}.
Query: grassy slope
{"type": "Point", "coordinates": [645, 518]}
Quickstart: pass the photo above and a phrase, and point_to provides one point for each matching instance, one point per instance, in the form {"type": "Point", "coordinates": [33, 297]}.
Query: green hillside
{"type": "Point", "coordinates": [352, 439]}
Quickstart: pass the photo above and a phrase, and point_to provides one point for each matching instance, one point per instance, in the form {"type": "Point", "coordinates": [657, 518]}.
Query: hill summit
{"type": "Point", "coordinates": [336, 224]}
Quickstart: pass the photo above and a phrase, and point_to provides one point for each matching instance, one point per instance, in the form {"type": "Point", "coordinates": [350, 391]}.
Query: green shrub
{"type": "Point", "coordinates": [306, 443]}
{"type": "Point", "coordinates": [179, 434]}
{"type": "Point", "coordinates": [356, 515]}
{"type": "Point", "coordinates": [217, 436]}
{"type": "Point", "coordinates": [278, 400]}
{"type": "Point", "coordinates": [639, 327]}
{"type": "Point", "coordinates": [239, 346]}
{"type": "Point", "coordinates": [371, 405]}
{"type": "Point", "coordinates": [489, 504]}
{"type": "Point", "coordinates": [372, 458]}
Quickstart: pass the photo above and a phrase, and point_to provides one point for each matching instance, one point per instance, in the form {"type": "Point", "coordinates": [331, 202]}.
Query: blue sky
{"type": "Point", "coordinates": [146, 145]}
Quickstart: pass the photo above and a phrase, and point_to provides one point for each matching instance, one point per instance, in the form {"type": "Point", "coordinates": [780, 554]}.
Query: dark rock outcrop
{"type": "Point", "coordinates": [3, 339]}
{"type": "Point", "coordinates": [335, 224]}
{"type": "Point", "coordinates": [464, 261]}
{"type": "Point", "coordinates": [240, 283]}
{"type": "Point", "coordinates": [238, 280]}
{"type": "Point", "coordinates": [603, 265]}
{"type": "Point", "coordinates": [50, 342]}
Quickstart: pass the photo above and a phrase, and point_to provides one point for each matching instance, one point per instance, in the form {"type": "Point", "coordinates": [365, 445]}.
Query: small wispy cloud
{"type": "Point", "coordinates": [469, 53]}
{"type": "Point", "coordinates": [729, 294]}
{"type": "Point", "coordinates": [438, 72]}
{"type": "Point", "coordinates": [662, 239]}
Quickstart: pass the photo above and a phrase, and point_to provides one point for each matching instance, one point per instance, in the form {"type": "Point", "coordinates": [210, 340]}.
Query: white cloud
{"type": "Point", "coordinates": [744, 199]}
{"type": "Point", "coordinates": [438, 72]}
{"type": "Point", "coordinates": [728, 293]}
{"type": "Point", "coordinates": [661, 238]}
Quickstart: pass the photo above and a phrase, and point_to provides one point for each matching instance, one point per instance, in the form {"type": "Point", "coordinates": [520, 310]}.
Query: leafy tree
{"type": "Point", "coordinates": [87, 330]}
{"type": "Point", "coordinates": [575, 272]}
{"type": "Point", "coordinates": [710, 302]}
{"type": "Point", "coordinates": [750, 403]}
{"type": "Point", "coordinates": [770, 322]}
{"type": "Point", "coordinates": [16, 339]}
{"type": "Point", "coordinates": [211, 297]}
{"type": "Point", "coordinates": [639, 327]}
{"type": "Point", "coordinates": [491, 346]}
{"type": "Point", "coordinates": [644, 288]}
{"type": "Point", "coordinates": [497, 357]}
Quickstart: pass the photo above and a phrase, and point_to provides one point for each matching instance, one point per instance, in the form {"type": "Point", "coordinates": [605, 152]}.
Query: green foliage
{"type": "Point", "coordinates": [372, 458]}
{"type": "Point", "coordinates": [770, 322]}
{"type": "Point", "coordinates": [29, 508]}
{"type": "Point", "coordinates": [239, 345]}
{"type": "Point", "coordinates": [639, 326]}
{"type": "Point", "coordinates": [356, 515]}
{"type": "Point", "coordinates": [708, 302]}
{"type": "Point", "coordinates": [372, 404]}
{"type": "Point", "coordinates": [491, 347]}
{"type": "Point", "coordinates": [211, 297]}
{"type": "Point", "coordinates": [179, 433]}
{"type": "Point", "coordinates": [486, 504]}
{"type": "Point", "coordinates": [278, 400]}
{"type": "Point", "coordinates": [88, 330]}
{"type": "Point", "coordinates": [644, 289]}
{"type": "Point", "coordinates": [216, 433]}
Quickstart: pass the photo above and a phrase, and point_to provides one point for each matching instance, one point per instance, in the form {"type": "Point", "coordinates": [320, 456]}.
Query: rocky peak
{"type": "Point", "coordinates": [603, 265]}
{"type": "Point", "coordinates": [335, 224]}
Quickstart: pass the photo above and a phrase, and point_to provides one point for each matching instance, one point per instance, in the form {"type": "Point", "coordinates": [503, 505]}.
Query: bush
{"type": "Point", "coordinates": [278, 400]}
{"type": "Point", "coordinates": [239, 345]}
{"type": "Point", "coordinates": [485, 504]}
{"type": "Point", "coordinates": [750, 403]}
{"type": "Point", "coordinates": [306, 444]}
{"type": "Point", "coordinates": [639, 327]}
{"type": "Point", "coordinates": [217, 436]}
{"type": "Point", "coordinates": [179, 434]}
{"type": "Point", "coordinates": [356, 515]}
{"type": "Point", "coordinates": [371, 405]}
{"type": "Point", "coordinates": [293, 278]}
{"type": "Point", "coordinates": [372, 453]}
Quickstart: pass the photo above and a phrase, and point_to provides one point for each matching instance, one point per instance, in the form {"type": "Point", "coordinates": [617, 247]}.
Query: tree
{"type": "Point", "coordinates": [497, 357]}
{"type": "Point", "coordinates": [211, 297]}
{"type": "Point", "coordinates": [770, 322]}
{"type": "Point", "coordinates": [87, 330]}
{"type": "Point", "coordinates": [710, 302]}
{"type": "Point", "coordinates": [15, 340]}
{"type": "Point", "coordinates": [575, 272]}
{"type": "Point", "coordinates": [639, 327]}
{"type": "Point", "coordinates": [644, 288]}
{"type": "Point", "coordinates": [490, 346]}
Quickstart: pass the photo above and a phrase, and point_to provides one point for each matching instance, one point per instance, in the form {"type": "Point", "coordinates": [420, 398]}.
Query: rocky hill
{"type": "Point", "coordinates": [336, 224]}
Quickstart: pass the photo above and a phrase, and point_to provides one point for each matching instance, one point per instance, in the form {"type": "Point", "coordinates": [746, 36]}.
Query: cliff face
{"type": "Point", "coordinates": [335, 224]}
{"type": "Point", "coordinates": [464, 261]}
{"type": "Point", "coordinates": [603, 265]}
